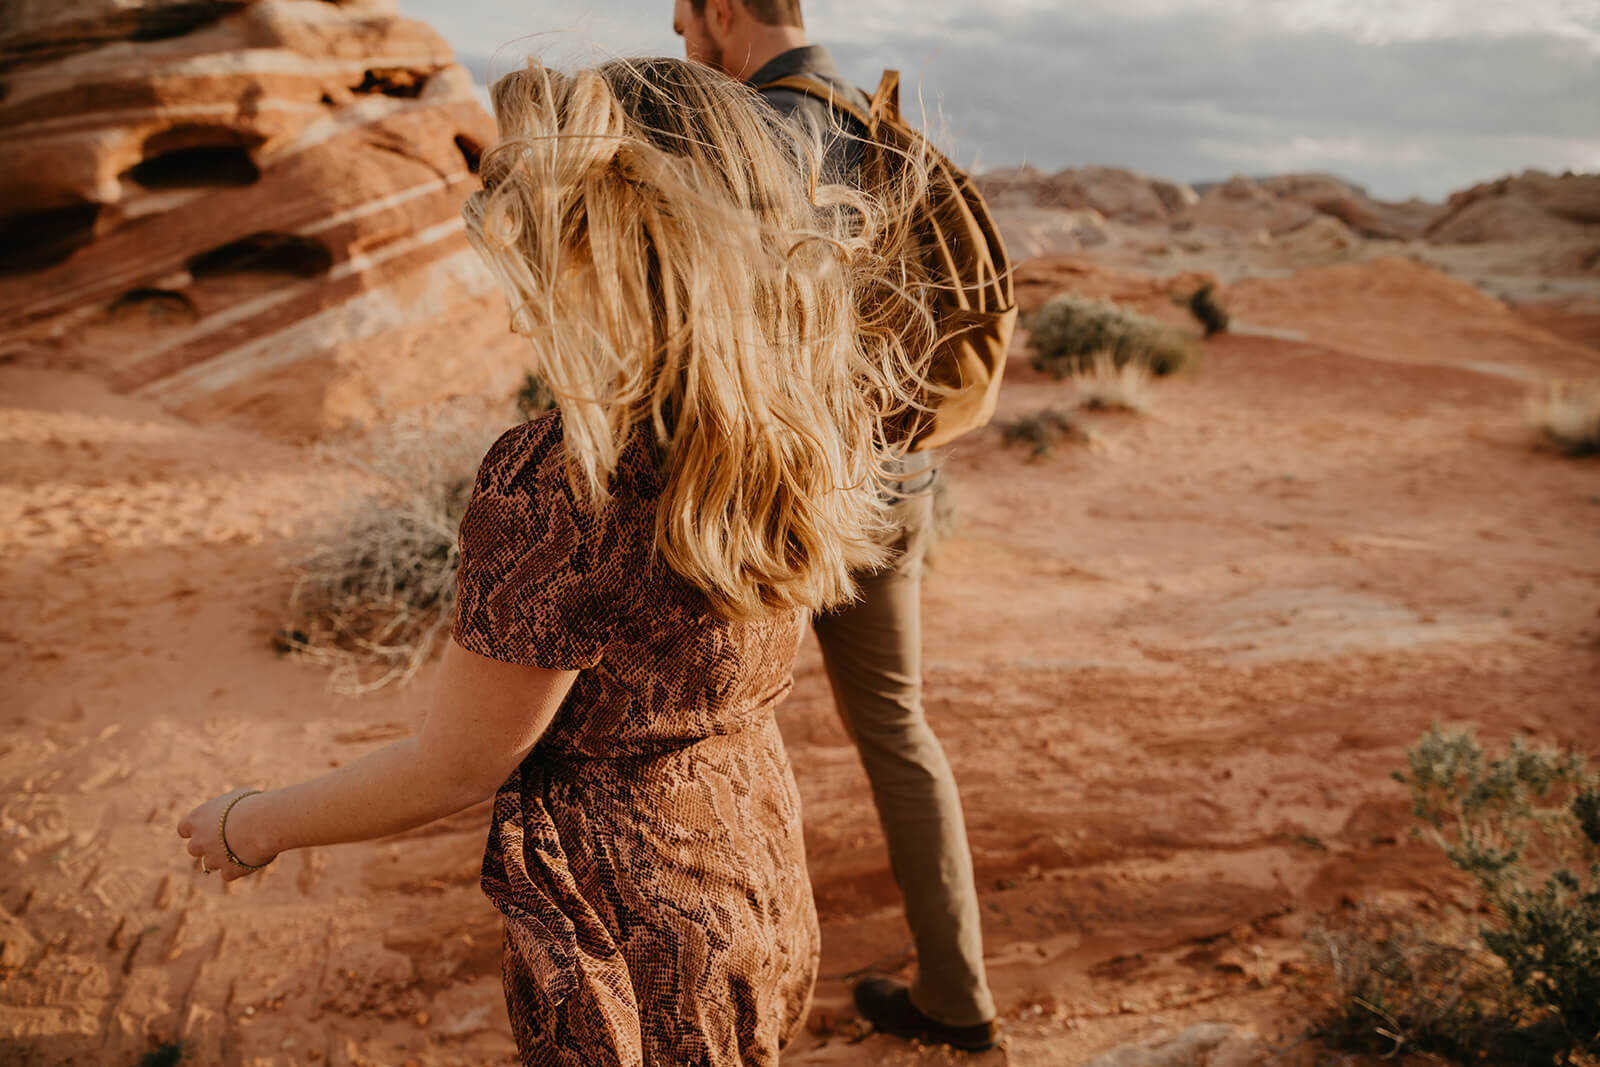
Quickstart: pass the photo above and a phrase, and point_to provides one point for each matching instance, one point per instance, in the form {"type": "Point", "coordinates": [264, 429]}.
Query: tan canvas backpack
{"type": "Point", "coordinates": [973, 302]}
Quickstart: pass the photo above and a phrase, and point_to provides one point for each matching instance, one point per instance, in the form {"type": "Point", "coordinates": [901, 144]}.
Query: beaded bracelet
{"type": "Point", "coordinates": [222, 834]}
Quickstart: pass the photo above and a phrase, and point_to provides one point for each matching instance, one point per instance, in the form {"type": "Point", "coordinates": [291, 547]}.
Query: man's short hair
{"type": "Point", "coordinates": [771, 12]}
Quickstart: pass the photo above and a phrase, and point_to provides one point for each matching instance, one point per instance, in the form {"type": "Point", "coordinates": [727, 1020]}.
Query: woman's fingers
{"type": "Point", "coordinates": [196, 848]}
{"type": "Point", "coordinates": [185, 827]}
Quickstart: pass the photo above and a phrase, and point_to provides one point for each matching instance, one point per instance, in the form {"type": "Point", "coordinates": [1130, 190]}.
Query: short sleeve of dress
{"type": "Point", "coordinates": [535, 585]}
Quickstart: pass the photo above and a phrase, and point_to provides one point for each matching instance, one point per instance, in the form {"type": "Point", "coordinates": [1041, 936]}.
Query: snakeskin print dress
{"type": "Point", "coordinates": [647, 855]}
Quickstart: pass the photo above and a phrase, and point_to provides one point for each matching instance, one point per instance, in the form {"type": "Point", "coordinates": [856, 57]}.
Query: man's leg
{"type": "Point", "coordinates": [873, 652]}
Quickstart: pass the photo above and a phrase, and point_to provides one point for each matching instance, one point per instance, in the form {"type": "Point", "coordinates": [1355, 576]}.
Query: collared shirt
{"type": "Point", "coordinates": [841, 151]}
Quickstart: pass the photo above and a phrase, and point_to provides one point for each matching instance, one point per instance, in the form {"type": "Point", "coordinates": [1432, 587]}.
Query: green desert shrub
{"type": "Point", "coordinates": [1070, 331]}
{"type": "Point", "coordinates": [1212, 316]}
{"type": "Point", "coordinates": [1525, 986]}
{"type": "Point", "coordinates": [1399, 986]}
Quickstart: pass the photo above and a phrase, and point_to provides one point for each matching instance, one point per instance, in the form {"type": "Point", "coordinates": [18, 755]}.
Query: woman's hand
{"type": "Point", "coordinates": [201, 827]}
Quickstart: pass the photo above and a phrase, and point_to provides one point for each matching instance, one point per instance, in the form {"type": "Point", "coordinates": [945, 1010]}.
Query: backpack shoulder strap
{"type": "Point", "coordinates": [820, 90]}
{"type": "Point", "coordinates": [886, 98]}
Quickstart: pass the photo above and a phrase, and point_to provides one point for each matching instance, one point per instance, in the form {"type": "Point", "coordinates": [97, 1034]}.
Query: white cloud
{"type": "Point", "coordinates": [634, 26]}
{"type": "Point", "coordinates": [1304, 153]}
{"type": "Point", "coordinates": [509, 30]}
{"type": "Point", "coordinates": [1371, 21]}
{"type": "Point", "coordinates": [1408, 97]}
{"type": "Point", "coordinates": [1385, 21]}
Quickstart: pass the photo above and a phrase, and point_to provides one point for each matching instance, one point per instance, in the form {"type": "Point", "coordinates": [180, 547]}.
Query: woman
{"type": "Point", "coordinates": [636, 566]}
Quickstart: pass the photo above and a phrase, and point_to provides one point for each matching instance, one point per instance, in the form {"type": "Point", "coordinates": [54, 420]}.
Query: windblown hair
{"type": "Point", "coordinates": [668, 252]}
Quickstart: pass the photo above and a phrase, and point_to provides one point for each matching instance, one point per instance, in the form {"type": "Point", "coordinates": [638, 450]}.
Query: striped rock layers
{"type": "Point", "coordinates": [244, 209]}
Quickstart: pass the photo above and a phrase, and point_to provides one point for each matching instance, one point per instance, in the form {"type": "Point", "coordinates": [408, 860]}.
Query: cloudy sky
{"type": "Point", "coordinates": [1407, 97]}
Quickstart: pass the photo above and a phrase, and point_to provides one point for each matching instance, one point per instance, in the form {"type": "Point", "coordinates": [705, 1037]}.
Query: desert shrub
{"type": "Point", "coordinates": [1400, 987]}
{"type": "Point", "coordinates": [1102, 385]}
{"type": "Point", "coordinates": [1044, 428]}
{"type": "Point", "coordinates": [1213, 317]}
{"type": "Point", "coordinates": [1525, 826]}
{"type": "Point", "coordinates": [169, 1054]}
{"type": "Point", "coordinates": [534, 397]}
{"type": "Point", "coordinates": [1566, 417]}
{"type": "Point", "coordinates": [375, 591]}
{"type": "Point", "coordinates": [1070, 331]}
{"type": "Point", "coordinates": [1504, 821]}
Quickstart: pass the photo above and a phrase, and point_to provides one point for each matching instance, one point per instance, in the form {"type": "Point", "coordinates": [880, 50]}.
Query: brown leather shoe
{"type": "Point", "coordinates": [886, 1004]}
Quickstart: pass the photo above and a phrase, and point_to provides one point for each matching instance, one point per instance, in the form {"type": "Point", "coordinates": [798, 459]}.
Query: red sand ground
{"type": "Point", "coordinates": [1173, 670]}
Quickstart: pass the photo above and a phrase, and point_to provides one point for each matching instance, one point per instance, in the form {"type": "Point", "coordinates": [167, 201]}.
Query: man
{"type": "Point", "coordinates": [873, 648]}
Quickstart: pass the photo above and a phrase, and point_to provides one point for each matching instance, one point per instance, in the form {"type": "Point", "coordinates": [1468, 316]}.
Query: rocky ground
{"type": "Point", "coordinates": [1173, 669]}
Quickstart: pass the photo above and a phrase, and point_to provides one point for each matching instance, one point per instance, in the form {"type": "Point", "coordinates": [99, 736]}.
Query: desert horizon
{"type": "Point", "coordinates": [1324, 478]}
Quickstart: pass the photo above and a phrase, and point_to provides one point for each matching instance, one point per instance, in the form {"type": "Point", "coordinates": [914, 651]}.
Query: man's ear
{"type": "Point", "coordinates": [720, 16]}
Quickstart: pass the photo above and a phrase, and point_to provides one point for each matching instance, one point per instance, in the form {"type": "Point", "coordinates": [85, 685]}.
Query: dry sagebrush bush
{"type": "Point", "coordinates": [1070, 331]}
{"type": "Point", "coordinates": [1102, 385]}
{"type": "Point", "coordinates": [1044, 428]}
{"type": "Point", "coordinates": [1566, 417]}
{"type": "Point", "coordinates": [375, 592]}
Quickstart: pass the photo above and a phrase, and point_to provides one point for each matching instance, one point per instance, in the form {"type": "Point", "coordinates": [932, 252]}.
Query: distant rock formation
{"type": "Point", "coordinates": [1351, 205]}
{"type": "Point", "coordinates": [1064, 212]}
{"type": "Point", "coordinates": [1280, 205]}
{"type": "Point", "coordinates": [1115, 193]}
{"type": "Point", "coordinates": [1244, 204]}
{"type": "Point", "coordinates": [1529, 205]}
{"type": "Point", "coordinates": [244, 208]}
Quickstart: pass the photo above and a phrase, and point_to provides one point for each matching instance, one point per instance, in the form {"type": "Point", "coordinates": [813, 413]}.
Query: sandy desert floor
{"type": "Point", "coordinates": [1173, 670]}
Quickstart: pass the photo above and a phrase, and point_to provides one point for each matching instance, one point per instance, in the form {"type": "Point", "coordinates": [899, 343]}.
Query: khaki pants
{"type": "Point", "coordinates": [873, 653]}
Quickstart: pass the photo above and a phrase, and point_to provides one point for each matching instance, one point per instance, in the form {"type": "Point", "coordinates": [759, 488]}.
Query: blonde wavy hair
{"type": "Point", "coordinates": [669, 253]}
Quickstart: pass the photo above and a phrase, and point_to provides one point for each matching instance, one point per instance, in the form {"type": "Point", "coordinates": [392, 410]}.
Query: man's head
{"type": "Point", "coordinates": [737, 37]}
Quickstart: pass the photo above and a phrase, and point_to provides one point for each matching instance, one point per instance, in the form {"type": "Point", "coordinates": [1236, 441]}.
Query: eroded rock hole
{"type": "Point", "coordinates": [160, 23]}
{"type": "Point", "coordinates": [264, 253]}
{"type": "Point", "coordinates": [392, 81]}
{"type": "Point", "coordinates": [470, 150]}
{"type": "Point", "coordinates": [188, 168]}
{"type": "Point", "coordinates": [34, 240]}
{"type": "Point", "coordinates": [156, 303]}
{"type": "Point", "coordinates": [189, 157]}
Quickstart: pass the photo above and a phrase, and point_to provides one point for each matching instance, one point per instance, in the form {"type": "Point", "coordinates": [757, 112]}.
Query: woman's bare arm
{"type": "Point", "coordinates": [486, 717]}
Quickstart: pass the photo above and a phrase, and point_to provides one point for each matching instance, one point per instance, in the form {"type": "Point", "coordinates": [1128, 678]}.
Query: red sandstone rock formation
{"type": "Point", "coordinates": [244, 207]}
{"type": "Point", "coordinates": [1351, 205]}
{"type": "Point", "coordinates": [1529, 205]}
{"type": "Point", "coordinates": [1244, 204]}
{"type": "Point", "coordinates": [1117, 194]}
{"type": "Point", "coordinates": [1241, 207]}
